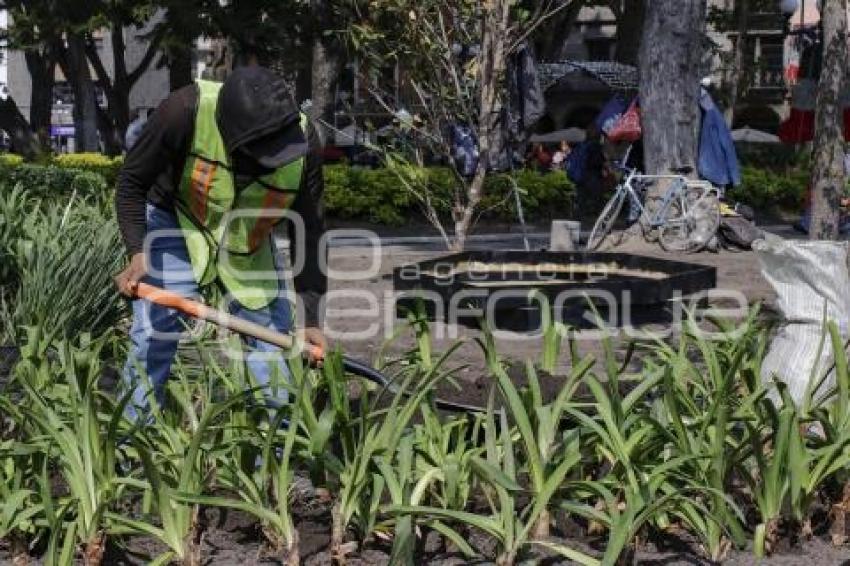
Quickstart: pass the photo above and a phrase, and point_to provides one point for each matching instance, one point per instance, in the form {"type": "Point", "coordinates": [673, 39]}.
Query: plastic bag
{"type": "Point", "coordinates": [811, 281]}
{"type": "Point", "coordinates": [628, 128]}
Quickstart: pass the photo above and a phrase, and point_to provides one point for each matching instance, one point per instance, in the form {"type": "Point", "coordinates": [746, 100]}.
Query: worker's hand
{"type": "Point", "coordinates": [315, 345]}
{"type": "Point", "coordinates": [127, 280]}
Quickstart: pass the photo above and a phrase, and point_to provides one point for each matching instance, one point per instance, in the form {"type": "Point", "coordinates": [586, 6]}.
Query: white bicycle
{"type": "Point", "coordinates": [684, 219]}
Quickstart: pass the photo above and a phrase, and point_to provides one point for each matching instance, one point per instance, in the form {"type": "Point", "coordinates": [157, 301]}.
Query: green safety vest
{"type": "Point", "coordinates": [228, 232]}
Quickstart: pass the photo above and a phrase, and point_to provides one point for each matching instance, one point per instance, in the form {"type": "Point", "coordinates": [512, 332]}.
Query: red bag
{"type": "Point", "coordinates": [627, 129]}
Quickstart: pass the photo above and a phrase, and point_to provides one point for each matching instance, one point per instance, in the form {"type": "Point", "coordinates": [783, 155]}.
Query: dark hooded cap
{"type": "Point", "coordinates": [257, 115]}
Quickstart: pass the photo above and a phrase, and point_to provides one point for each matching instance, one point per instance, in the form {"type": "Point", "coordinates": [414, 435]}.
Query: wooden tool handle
{"type": "Point", "coordinates": [201, 311]}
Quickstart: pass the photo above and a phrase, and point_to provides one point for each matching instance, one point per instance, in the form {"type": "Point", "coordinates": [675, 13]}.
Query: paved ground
{"type": "Point", "coordinates": [359, 312]}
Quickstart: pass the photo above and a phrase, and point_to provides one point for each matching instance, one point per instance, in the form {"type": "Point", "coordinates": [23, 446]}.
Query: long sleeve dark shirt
{"type": "Point", "coordinates": [152, 171]}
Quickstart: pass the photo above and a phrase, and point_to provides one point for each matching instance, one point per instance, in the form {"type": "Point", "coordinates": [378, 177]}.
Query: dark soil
{"type": "Point", "coordinates": [234, 538]}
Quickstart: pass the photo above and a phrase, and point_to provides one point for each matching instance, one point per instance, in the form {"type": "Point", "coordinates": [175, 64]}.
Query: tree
{"type": "Point", "coordinates": [326, 64]}
{"type": "Point", "coordinates": [50, 32]}
{"type": "Point", "coordinates": [24, 140]}
{"type": "Point", "coordinates": [743, 15]}
{"type": "Point", "coordinates": [670, 71]}
{"type": "Point", "coordinates": [34, 31]}
{"type": "Point", "coordinates": [630, 16]}
{"type": "Point", "coordinates": [119, 17]}
{"type": "Point", "coordinates": [828, 171]}
{"type": "Point", "coordinates": [182, 24]}
{"type": "Point", "coordinates": [76, 69]}
{"type": "Point", "coordinates": [454, 59]}
{"type": "Point", "coordinates": [551, 36]}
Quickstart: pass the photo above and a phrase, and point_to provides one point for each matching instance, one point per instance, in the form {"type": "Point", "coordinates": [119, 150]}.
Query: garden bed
{"type": "Point", "coordinates": [673, 450]}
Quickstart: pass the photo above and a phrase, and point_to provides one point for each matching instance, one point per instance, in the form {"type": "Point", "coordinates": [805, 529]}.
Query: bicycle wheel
{"type": "Point", "coordinates": [704, 209]}
{"type": "Point", "coordinates": [674, 232]}
{"type": "Point", "coordinates": [606, 220]}
{"type": "Point", "coordinates": [651, 206]}
{"type": "Point", "coordinates": [691, 221]}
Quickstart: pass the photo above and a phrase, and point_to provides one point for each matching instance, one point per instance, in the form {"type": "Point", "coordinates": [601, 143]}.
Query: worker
{"type": "Point", "coordinates": [215, 168]}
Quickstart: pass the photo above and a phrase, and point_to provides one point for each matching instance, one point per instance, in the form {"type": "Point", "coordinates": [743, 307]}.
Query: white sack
{"type": "Point", "coordinates": [807, 276]}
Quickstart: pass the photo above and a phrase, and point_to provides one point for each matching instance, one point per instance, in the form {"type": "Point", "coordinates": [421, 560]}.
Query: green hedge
{"type": "Point", "coordinates": [52, 180]}
{"type": "Point", "coordinates": [765, 189]}
{"type": "Point", "coordinates": [379, 196]}
{"type": "Point", "coordinates": [104, 165]}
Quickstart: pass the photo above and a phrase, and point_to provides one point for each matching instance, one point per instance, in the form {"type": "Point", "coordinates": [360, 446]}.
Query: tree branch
{"type": "Point", "coordinates": [539, 21]}
{"type": "Point", "coordinates": [150, 53]}
{"type": "Point", "coordinates": [99, 69]}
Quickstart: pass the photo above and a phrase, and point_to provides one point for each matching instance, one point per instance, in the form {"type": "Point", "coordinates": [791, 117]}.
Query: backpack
{"type": "Point", "coordinates": [465, 150]}
{"type": "Point", "coordinates": [736, 232]}
{"type": "Point", "coordinates": [575, 162]}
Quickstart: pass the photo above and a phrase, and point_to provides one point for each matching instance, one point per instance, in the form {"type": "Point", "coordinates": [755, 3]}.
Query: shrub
{"type": "Point", "coordinates": [50, 180]}
{"type": "Point", "coordinates": [765, 189]}
{"type": "Point", "coordinates": [378, 195]}
{"type": "Point", "coordinates": [106, 166]}
{"type": "Point", "coordinates": [10, 160]}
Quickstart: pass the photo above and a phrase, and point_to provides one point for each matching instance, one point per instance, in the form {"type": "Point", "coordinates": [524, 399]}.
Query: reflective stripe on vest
{"type": "Point", "coordinates": [229, 232]}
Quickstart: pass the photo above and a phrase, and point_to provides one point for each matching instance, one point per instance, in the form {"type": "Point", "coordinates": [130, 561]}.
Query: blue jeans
{"type": "Point", "coordinates": [156, 330]}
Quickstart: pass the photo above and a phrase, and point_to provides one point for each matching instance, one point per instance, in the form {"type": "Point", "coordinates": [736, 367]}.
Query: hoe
{"type": "Point", "coordinates": [201, 311]}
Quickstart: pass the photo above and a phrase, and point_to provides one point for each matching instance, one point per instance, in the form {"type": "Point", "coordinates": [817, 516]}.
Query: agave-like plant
{"type": "Point", "coordinates": [404, 488]}
{"type": "Point", "coordinates": [770, 476]}
{"type": "Point", "coordinates": [819, 450]}
{"type": "Point", "coordinates": [540, 427]}
{"type": "Point", "coordinates": [178, 450]}
{"type": "Point", "coordinates": [263, 489]}
{"type": "Point", "coordinates": [446, 452]}
{"type": "Point", "coordinates": [375, 431]}
{"type": "Point", "coordinates": [80, 434]}
{"type": "Point", "coordinates": [553, 333]}
{"type": "Point", "coordinates": [641, 483]}
{"type": "Point", "coordinates": [20, 508]}
{"type": "Point", "coordinates": [63, 267]}
{"type": "Point", "coordinates": [500, 475]}
{"type": "Point", "coordinates": [708, 391]}
{"type": "Point", "coordinates": [18, 211]}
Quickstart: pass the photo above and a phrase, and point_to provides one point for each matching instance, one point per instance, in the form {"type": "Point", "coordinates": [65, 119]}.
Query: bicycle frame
{"type": "Point", "coordinates": [657, 219]}
{"type": "Point", "coordinates": [683, 197]}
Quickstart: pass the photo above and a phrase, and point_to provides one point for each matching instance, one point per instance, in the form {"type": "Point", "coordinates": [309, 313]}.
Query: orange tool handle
{"type": "Point", "coordinates": [201, 311]}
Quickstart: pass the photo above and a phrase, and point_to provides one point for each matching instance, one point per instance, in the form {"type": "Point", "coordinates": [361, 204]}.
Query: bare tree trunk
{"type": "Point", "coordinates": [119, 93]}
{"type": "Point", "coordinates": [179, 67]}
{"type": "Point", "coordinates": [42, 68]}
{"type": "Point", "coordinates": [179, 48]}
{"type": "Point", "coordinates": [552, 36]}
{"type": "Point", "coordinates": [24, 141]}
{"type": "Point", "coordinates": [492, 61]}
{"type": "Point", "coordinates": [77, 72]}
{"type": "Point", "coordinates": [114, 121]}
{"type": "Point", "coordinates": [630, 31]}
{"type": "Point", "coordinates": [326, 67]}
{"type": "Point", "coordinates": [670, 64]}
{"type": "Point", "coordinates": [828, 170]}
{"type": "Point", "coordinates": [738, 60]}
